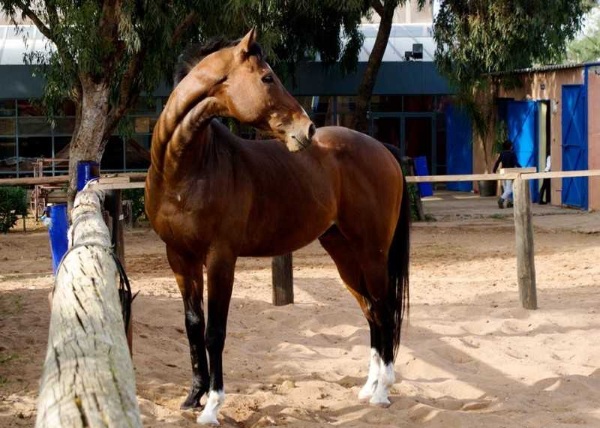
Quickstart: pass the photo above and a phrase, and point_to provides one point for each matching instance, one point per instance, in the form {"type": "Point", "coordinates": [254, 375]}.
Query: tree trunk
{"type": "Point", "coordinates": [365, 90]}
{"type": "Point", "coordinates": [88, 378]}
{"type": "Point", "coordinates": [92, 131]}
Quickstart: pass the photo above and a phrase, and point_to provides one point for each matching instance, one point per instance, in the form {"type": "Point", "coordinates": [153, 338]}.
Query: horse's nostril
{"type": "Point", "coordinates": [311, 131]}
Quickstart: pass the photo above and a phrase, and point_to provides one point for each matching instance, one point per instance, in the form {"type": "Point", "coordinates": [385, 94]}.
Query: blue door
{"type": "Point", "coordinates": [459, 147]}
{"type": "Point", "coordinates": [522, 123]}
{"type": "Point", "coordinates": [574, 143]}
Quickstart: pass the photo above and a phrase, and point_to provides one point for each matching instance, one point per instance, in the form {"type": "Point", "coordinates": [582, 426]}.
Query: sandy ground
{"type": "Point", "coordinates": [470, 356]}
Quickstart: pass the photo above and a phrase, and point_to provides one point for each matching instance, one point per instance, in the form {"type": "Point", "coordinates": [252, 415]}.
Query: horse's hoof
{"type": "Point", "coordinates": [193, 399]}
{"type": "Point", "coordinates": [364, 396]}
{"type": "Point", "coordinates": [366, 392]}
{"type": "Point", "coordinates": [384, 403]}
{"type": "Point", "coordinates": [190, 403]}
{"type": "Point", "coordinates": [207, 420]}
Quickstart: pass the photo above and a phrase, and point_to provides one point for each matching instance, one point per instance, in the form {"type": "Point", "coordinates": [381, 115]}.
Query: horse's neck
{"type": "Point", "coordinates": [184, 122]}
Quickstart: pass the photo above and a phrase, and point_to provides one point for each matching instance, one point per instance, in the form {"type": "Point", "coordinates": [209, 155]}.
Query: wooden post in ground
{"type": "Point", "coordinates": [524, 243]}
{"type": "Point", "coordinates": [114, 207]}
{"type": "Point", "coordinates": [88, 378]}
{"type": "Point", "coordinates": [409, 169]}
{"type": "Point", "coordinates": [283, 280]}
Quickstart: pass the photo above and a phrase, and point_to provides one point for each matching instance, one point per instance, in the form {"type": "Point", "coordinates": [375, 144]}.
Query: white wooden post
{"type": "Point", "coordinates": [88, 378]}
{"type": "Point", "coordinates": [524, 244]}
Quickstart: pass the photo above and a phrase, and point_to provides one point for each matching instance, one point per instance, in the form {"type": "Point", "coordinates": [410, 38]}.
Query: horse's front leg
{"type": "Point", "coordinates": [188, 275]}
{"type": "Point", "coordinates": [220, 283]}
{"type": "Point", "coordinates": [194, 326]}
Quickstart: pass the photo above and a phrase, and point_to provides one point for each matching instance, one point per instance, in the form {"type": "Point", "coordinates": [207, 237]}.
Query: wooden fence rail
{"type": "Point", "coordinates": [510, 174]}
{"type": "Point", "coordinates": [88, 378]}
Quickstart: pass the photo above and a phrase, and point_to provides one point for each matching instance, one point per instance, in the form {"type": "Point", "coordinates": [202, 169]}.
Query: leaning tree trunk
{"type": "Point", "coordinates": [365, 90]}
{"type": "Point", "coordinates": [88, 378]}
{"type": "Point", "coordinates": [90, 136]}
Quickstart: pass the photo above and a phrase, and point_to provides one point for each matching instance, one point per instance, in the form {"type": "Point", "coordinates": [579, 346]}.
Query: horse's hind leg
{"type": "Point", "coordinates": [374, 267]}
{"type": "Point", "coordinates": [190, 281]}
{"type": "Point", "coordinates": [351, 273]}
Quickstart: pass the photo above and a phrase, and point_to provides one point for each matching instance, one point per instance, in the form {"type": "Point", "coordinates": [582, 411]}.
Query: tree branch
{"type": "Point", "coordinates": [377, 6]}
{"type": "Point", "coordinates": [127, 94]}
{"type": "Point", "coordinates": [188, 21]}
{"type": "Point", "coordinates": [44, 29]}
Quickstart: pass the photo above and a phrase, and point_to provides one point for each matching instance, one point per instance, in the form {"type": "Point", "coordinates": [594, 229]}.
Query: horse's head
{"type": "Point", "coordinates": [248, 90]}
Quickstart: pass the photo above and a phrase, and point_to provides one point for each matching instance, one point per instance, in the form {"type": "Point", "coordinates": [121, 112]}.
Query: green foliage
{"type": "Point", "coordinates": [475, 37]}
{"type": "Point", "coordinates": [414, 196]}
{"type": "Point", "coordinates": [136, 196]}
{"type": "Point", "coordinates": [13, 203]}
{"type": "Point", "coordinates": [291, 31]}
{"type": "Point", "coordinates": [587, 47]}
{"type": "Point", "coordinates": [501, 135]}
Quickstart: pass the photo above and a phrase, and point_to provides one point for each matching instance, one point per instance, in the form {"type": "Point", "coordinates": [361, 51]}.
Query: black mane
{"type": "Point", "coordinates": [196, 52]}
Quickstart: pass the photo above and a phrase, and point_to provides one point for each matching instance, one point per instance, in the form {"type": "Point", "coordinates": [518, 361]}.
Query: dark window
{"type": "Point", "coordinates": [419, 103]}
{"type": "Point", "coordinates": [8, 150]}
{"type": "Point", "coordinates": [64, 125]}
{"type": "Point", "coordinates": [137, 155]}
{"type": "Point", "coordinates": [8, 126]}
{"type": "Point", "coordinates": [34, 126]}
{"type": "Point", "coordinates": [25, 108]}
{"type": "Point", "coordinates": [386, 103]}
{"type": "Point", "coordinates": [112, 160]}
{"type": "Point", "coordinates": [7, 108]}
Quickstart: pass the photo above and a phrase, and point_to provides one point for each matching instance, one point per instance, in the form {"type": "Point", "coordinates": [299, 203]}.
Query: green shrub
{"type": "Point", "coordinates": [13, 203]}
{"type": "Point", "coordinates": [136, 196]}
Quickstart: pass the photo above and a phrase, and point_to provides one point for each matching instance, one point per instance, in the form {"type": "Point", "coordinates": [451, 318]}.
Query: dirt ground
{"type": "Point", "coordinates": [470, 356]}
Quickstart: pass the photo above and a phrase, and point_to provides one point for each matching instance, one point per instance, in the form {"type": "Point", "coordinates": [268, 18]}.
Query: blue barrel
{"type": "Point", "coordinates": [425, 189]}
{"type": "Point", "coordinates": [86, 171]}
{"type": "Point", "coordinates": [58, 227]}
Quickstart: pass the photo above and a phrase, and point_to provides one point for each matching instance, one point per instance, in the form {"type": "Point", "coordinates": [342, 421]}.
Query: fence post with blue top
{"type": "Point", "coordinates": [58, 219]}
{"type": "Point", "coordinates": [86, 171]}
{"type": "Point", "coordinates": [58, 225]}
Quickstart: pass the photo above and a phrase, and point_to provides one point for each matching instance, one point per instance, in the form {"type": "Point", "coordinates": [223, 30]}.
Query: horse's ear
{"type": "Point", "coordinates": [247, 41]}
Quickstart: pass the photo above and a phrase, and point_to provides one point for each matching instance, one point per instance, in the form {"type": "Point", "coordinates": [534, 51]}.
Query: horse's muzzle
{"type": "Point", "coordinates": [300, 140]}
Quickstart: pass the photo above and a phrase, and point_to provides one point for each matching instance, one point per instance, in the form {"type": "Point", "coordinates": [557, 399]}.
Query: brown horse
{"type": "Point", "coordinates": [213, 197]}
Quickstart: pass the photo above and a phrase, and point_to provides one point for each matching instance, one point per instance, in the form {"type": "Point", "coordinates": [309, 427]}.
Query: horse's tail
{"type": "Point", "coordinates": [398, 262]}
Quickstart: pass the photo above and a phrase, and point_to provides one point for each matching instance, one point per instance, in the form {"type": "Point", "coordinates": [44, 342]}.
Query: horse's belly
{"type": "Point", "coordinates": [285, 236]}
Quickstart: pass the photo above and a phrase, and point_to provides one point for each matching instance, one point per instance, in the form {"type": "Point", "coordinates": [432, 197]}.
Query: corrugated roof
{"type": "Point", "coordinates": [543, 68]}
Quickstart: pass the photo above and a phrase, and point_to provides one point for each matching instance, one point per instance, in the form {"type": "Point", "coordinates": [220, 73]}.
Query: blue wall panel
{"type": "Point", "coordinates": [459, 147]}
{"type": "Point", "coordinates": [574, 145]}
{"type": "Point", "coordinates": [522, 123]}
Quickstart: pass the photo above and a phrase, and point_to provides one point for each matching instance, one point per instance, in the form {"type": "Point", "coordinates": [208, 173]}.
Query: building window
{"type": "Point", "coordinates": [7, 108]}
{"type": "Point", "coordinates": [8, 153]}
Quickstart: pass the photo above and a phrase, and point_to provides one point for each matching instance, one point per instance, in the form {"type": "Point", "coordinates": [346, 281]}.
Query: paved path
{"type": "Point", "coordinates": [448, 206]}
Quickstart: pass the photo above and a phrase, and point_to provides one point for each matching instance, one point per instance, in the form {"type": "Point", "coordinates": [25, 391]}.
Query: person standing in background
{"type": "Point", "coordinates": [508, 159]}
{"type": "Point", "coordinates": [546, 184]}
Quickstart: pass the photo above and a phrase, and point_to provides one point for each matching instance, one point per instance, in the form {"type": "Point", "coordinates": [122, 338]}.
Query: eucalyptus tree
{"type": "Point", "coordinates": [477, 38]}
{"type": "Point", "coordinates": [586, 47]}
{"type": "Point", "coordinates": [385, 9]}
{"type": "Point", "coordinates": [103, 54]}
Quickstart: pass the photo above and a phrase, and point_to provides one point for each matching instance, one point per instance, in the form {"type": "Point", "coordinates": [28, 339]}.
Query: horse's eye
{"type": "Point", "coordinates": [268, 78]}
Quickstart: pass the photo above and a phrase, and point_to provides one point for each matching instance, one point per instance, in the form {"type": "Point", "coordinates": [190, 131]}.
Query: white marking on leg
{"type": "Point", "coordinates": [386, 379]}
{"type": "Point", "coordinates": [211, 409]}
{"type": "Point", "coordinates": [374, 366]}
